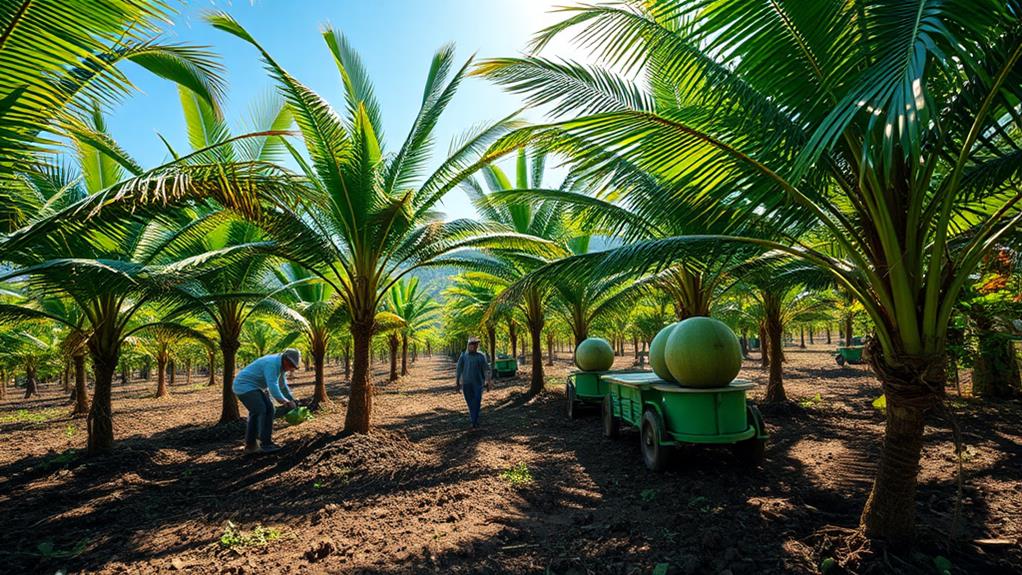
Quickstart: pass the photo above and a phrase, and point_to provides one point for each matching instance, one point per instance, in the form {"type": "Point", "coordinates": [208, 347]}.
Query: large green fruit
{"type": "Point", "coordinates": [657, 361]}
{"type": "Point", "coordinates": [594, 354]}
{"type": "Point", "coordinates": [703, 352]}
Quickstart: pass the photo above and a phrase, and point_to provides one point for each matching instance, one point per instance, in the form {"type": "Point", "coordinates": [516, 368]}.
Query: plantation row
{"type": "Point", "coordinates": [785, 171]}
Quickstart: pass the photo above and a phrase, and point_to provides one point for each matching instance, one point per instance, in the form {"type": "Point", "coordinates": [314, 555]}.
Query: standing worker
{"type": "Point", "coordinates": [254, 385]}
{"type": "Point", "coordinates": [472, 372]}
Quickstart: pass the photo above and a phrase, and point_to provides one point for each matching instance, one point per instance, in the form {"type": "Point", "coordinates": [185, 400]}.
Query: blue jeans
{"type": "Point", "coordinates": [474, 398]}
{"type": "Point", "coordinates": [260, 417]}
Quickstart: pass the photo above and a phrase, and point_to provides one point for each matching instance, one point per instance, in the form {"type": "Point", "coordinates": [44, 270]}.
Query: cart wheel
{"type": "Point", "coordinates": [840, 359]}
{"type": "Point", "coordinates": [752, 451]}
{"type": "Point", "coordinates": [572, 407]}
{"type": "Point", "coordinates": [611, 424]}
{"type": "Point", "coordinates": [654, 454]}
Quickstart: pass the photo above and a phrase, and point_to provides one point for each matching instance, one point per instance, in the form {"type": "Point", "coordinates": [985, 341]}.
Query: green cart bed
{"type": "Point", "coordinates": [668, 415]}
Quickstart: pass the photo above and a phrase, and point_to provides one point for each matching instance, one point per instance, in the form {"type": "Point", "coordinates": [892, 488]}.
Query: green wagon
{"type": "Point", "coordinates": [505, 366]}
{"type": "Point", "coordinates": [587, 389]}
{"type": "Point", "coordinates": [668, 415]}
{"type": "Point", "coordinates": [849, 354]}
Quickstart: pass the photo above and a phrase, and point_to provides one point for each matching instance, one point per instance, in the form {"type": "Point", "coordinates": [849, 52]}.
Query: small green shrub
{"type": "Point", "coordinates": [811, 402]}
{"type": "Point", "coordinates": [70, 431]}
{"type": "Point", "coordinates": [26, 416]}
{"type": "Point", "coordinates": [258, 537]}
{"type": "Point", "coordinates": [50, 551]}
{"type": "Point", "coordinates": [517, 475]}
{"type": "Point", "coordinates": [648, 495]}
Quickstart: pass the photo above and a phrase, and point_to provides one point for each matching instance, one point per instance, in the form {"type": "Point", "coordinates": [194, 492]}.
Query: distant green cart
{"type": "Point", "coordinates": [850, 354]}
{"type": "Point", "coordinates": [587, 389]}
{"type": "Point", "coordinates": [668, 415]}
{"type": "Point", "coordinates": [505, 366]}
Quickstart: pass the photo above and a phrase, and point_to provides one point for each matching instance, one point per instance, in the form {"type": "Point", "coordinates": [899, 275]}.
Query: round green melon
{"type": "Point", "coordinates": [703, 352]}
{"type": "Point", "coordinates": [657, 361]}
{"type": "Point", "coordinates": [594, 354]}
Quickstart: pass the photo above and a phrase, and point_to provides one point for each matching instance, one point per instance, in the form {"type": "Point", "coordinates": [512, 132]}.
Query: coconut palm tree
{"type": "Point", "coordinates": [540, 220]}
{"type": "Point", "coordinates": [94, 251]}
{"type": "Point", "coordinates": [161, 337]}
{"type": "Point", "coordinates": [56, 60]}
{"type": "Point", "coordinates": [237, 291]}
{"type": "Point", "coordinates": [367, 217]}
{"type": "Point", "coordinates": [891, 125]}
{"type": "Point", "coordinates": [418, 310]}
{"type": "Point", "coordinates": [321, 314]}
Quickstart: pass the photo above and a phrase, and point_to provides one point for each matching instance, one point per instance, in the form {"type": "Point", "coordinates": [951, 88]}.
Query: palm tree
{"type": "Point", "coordinates": [161, 337]}
{"type": "Point", "coordinates": [239, 289]}
{"type": "Point", "coordinates": [416, 308]}
{"type": "Point", "coordinates": [56, 59]}
{"type": "Point", "coordinates": [100, 262]}
{"type": "Point", "coordinates": [889, 125]}
{"type": "Point", "coordinates": [540, 220]}
{"type": "Point", "coordinates": [320, 314]}
{"type": "Point", "coordinates": [367, 217]}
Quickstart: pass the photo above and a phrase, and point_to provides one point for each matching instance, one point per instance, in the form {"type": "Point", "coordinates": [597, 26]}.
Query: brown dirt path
{"type": "Point", "coordinates": [424, 494]}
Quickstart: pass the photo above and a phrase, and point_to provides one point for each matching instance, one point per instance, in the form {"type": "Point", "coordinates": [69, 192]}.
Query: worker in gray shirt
{"type": "Point", "coordinates": [471, 374]}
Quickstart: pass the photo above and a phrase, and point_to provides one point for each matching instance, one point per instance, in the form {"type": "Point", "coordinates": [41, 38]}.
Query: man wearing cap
{"type": "Point", "coordinates": [264, 378]}
{"type": "Point", "coordinates": [472, 372]}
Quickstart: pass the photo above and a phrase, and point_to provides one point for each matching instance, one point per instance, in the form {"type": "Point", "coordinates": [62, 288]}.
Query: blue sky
{"type": "Point", "coordinates": [396, 39]}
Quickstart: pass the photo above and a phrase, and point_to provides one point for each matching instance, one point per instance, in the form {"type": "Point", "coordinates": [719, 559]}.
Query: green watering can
{"type": "Point", "coordinates": [298, 415]}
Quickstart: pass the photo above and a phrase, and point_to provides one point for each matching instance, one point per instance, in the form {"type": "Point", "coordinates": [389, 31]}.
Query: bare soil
{"type": "Point", "coordinates": [423, 493]}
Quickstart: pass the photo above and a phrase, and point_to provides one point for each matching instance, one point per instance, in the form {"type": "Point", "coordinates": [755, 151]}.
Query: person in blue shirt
{"type": "Point", "coordinates": [471, 374]}
{"type": "Point", "coordinates": [262, 379]}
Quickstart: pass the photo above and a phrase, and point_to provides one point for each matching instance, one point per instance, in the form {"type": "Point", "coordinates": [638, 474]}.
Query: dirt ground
{"type": "Point", "coordinates": [531, 492]}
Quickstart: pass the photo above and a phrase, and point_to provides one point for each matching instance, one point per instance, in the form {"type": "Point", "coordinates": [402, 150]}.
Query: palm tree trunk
{"type": "Point", "coordinates": [775, 333]}
{"type": "Point", "coordinates": [188, 371]}
{"type": "Point", "coordinates": [536, 332]}
{"type": "Point", "coordinates": [360, 400]}
{"type": "Point", "coordinates": [404, 354]}
{"type": "Point", "coordinates": [347, 361]}
{"type": "Point", "coordinates": [848, 330]}
{"type": "Point", "coordinates": [3, 384]}
{"type": "Point", "coordinates": [911, 389]}
{"type": "Point", "coordinates": [161, 376]}
{"type": "Point", "coordinates": [764, 346]}
{"type": "Point", "coordinates": [146, 366]}
{"type": "Point", "coordinates": [65, 376]}
{"type": "Point", "coordinates": [802, 335]}
{"type": "Point", "coordinates": [550, 348]}
{"type": "Point", "coordinates": [31, 385]}
{"type": "Point", "coordinates": [513, 334]}
{"type": "Point", "coordinates": [318, 349]}
{"type": "Point", "coordinates": [393, 341]}
{"type": "Point", "coordinates": [104, 350]}
{"type": "Point", "coordinates": [81, 391]}
{"type": "Point", "coordinates": [229, 409]}
{"type": "Point", "coordinates": [491, 335]}
{"type": "Point", "coordinates": [996, 372]}
{"type": "Point", "coordinates": [829, 342]}
{"type": "Point", "coordinates": [212, 368]}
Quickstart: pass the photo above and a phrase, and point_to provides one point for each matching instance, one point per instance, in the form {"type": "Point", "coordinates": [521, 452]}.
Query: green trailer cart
{"type": "Point", "coordinates": [587, 389]}
{"type": "Point", "coordinates": [849, 354]}
{"type": "Point", "coordinates": [668, 415]}
{"type": "Point", "coordinates": [505, 366]}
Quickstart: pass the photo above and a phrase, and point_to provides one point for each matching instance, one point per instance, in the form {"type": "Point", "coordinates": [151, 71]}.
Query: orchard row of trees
{"type": "Point", "coordinates": [768, 163]}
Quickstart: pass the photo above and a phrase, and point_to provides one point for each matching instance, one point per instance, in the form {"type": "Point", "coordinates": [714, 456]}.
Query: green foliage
{"type": "Point", "coordinates": [49, 550]}
{"type": "Point", "coordinates": [27, 416]}
{"type": "Point", "coordinates": [811, 402]}
{"type": "Point", "coordinates": [880, 404]}
{"type": "Point", "coordinates": [517, 475]}
{"type": "Point", "coordinates": [648, 495]}
{"type": "Point", "coordinates": [233, 537]}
